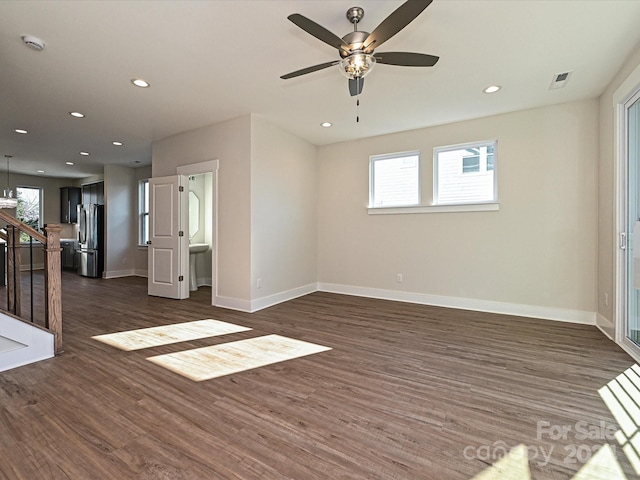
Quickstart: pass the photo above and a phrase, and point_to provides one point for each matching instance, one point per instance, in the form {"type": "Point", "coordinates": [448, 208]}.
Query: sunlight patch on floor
{"type": "Point", "coordinates": [622, 397]}
{"type": "Point", "coordinates": [602, 466]}
{"type": "Point", "coordinates": [234, 357]}
{"type": "Point", "coordinates": [167, 334]}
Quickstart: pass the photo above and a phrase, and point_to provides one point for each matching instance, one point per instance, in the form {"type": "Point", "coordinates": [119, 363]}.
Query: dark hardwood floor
{"type": "Point", "coordinates": [407, 392]}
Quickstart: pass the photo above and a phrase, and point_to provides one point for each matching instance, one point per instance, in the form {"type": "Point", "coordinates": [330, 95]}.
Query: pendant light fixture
{"type": "Point", "coordinates": [8, 200]}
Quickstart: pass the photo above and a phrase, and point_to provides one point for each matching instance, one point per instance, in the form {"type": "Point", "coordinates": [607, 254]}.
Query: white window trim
{"type": "Point", "coordinates": [460, 146]}
{"type": "Point", "coordinates": [140, 211]}
{"type": "Point", "coordinates": [389, 156]}
{"type": "Point", "coordinates": [444, 208]}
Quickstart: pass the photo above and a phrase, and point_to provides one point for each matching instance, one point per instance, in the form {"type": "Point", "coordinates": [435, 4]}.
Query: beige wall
{"type": "Point", "coordinates": [50, 197]}
{"type": "Point", "coordinates": [539, 249]}
{"type": "Point", "coordinates": [607, 202]}
{"type": "Point", "coordinates": [120, 197]}
{"type": "Point", "coordinates": [283, 210]}
{"type": "Point", "coordinates": [230, 143]}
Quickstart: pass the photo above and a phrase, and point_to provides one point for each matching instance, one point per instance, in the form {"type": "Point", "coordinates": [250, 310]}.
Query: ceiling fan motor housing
{"type": "Point", "coordinates": [355, 41]}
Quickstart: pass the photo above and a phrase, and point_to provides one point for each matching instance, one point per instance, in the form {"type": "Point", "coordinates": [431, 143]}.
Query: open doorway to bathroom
{"type": "Point", "coordinates": [202, 227]}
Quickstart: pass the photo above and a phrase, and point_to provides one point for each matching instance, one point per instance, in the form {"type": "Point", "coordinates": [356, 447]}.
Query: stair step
{"type": "Point", "coordinates": [7, 345]}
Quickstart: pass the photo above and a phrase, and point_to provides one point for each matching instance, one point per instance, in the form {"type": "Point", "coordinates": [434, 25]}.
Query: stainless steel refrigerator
{"type": "Point", "coordinates": [90, 240]}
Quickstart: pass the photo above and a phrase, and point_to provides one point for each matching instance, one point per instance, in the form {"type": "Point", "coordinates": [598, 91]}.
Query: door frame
{"type": "Point", "coordinates": [621, 97]}
{"type": "Point", "coordinates": [209, 166]}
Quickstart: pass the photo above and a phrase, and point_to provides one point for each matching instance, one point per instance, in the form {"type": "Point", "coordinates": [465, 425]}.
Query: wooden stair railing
{"type": "Point", "coordinates": [52, 272]}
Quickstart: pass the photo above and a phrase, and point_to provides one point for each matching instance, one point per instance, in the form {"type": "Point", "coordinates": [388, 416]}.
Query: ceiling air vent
{"type": "Point", "coordinates": [560, 80]}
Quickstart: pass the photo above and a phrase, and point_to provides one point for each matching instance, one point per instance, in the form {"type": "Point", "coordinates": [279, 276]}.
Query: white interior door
{"type": "Point", "coordinates": [168, 246]}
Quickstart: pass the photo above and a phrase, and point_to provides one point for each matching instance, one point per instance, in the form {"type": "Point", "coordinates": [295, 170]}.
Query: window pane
{"type": "Point", "coordinates": [465, 175]}
{"type": "Point", "coordinates": [28, 210]}
{"type": "Point", "coordinates": [143, 211]}
{"type": "Point", "coordinates": [471, 164]}
{"type": "Point", "coordinates": [145, 187]}
{"type": "Point", "coordinates": [395, 180]}
{"type": "Point", "coordinates": [145, 228]}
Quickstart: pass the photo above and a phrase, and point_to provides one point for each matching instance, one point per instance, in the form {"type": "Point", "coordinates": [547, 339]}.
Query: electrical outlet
{"type": "Point", "coordinates": [399, 278]}
{"type": "Point", "coordinates": [259, 283]}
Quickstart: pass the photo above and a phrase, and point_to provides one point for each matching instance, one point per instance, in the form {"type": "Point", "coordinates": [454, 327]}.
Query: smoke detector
{"type": "Point", "coordinates": [33, 42]}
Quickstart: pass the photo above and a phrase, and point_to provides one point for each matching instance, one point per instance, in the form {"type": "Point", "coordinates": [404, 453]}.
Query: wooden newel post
{"type": "Point", "coordinates": [53, 283]}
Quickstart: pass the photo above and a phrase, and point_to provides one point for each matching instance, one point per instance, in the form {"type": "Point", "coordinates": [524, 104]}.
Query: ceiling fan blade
{"type": "Point", "coordinates": [406, 59]}
{"type": "Point", "coordinates": [355, 86]}
{"type": "Point", "coordinates": [304, 71]}
{"type": "Point", "coordinates": [318, 31]}
{"type": "Point", "coordinates": [395, 22]}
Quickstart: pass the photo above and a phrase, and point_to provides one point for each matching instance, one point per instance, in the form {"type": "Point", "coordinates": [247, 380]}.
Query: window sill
{"type": "Point", "coordinates": [468, 207]}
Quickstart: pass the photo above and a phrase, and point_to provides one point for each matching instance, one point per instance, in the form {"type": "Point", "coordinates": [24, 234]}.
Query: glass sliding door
{"type": "Point", "coordinates": [632, 323]}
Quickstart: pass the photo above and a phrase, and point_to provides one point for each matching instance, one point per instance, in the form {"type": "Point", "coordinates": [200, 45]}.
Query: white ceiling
{"type": "Point", "coordinates": [209, 61]}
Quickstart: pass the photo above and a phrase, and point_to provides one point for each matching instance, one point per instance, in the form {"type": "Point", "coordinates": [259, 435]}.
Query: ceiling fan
{"type": "Point", "coordinates": [356, 48]}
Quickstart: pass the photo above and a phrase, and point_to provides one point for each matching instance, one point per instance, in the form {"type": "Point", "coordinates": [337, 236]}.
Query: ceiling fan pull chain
{"type": "Point", "coordinates": [358, 110]}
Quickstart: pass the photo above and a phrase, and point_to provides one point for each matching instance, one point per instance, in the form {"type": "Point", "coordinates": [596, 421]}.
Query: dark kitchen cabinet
{"type": "Point", "coordinates": [69, 200]}
{"type": "Point", "coordinates": [93, 193]}
{"type": "Point", "coordinates": [68, 256]}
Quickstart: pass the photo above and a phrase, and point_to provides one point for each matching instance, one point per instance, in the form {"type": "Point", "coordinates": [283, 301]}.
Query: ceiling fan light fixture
{"type": "Point", "coordinates": [357, 65]}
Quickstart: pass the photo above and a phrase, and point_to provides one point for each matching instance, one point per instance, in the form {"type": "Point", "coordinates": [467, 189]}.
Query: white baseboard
{"type": "Point", "coordinates": [141, 273]}
{"type": "Point", "coordinates": [233, 303]}
{"type": "Point", "coordinates": [251, 306]}
{"type": "Point", "coordinates": [606, 326]}
{"type": "Point", "coordinates": [271, 300]}
{"type": "Point", "coordinates": [203, 281]}
{"type": "Point", "coordinates": [520, 310]}
{"type": "Point", "coordinates": [118, 273]}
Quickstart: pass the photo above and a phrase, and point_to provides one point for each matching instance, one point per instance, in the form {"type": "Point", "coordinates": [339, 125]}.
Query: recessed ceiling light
{"type": "Point", "coordinates": [76, 114]}
{"type": "Point", "coordinates": [84, 153]}
{"type": "Point", "coordinates": [20, 130]}
{"type": "Point", "coordinates": [326, 124]}
{"type": "Point", "coordinates": [119, 144]}
{"type": "Point", "coordinates": [138, 82]}
{"type": "Point", "coordinates": [69, 163]}
{"type": "Point", "coordinates": [492, 89]}
{"type": "Point", "coordinates": [40, 171]}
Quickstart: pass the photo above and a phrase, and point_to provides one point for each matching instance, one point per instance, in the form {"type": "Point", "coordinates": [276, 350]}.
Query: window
{"type": "Point", "coordinates": [29, 208]}
{"type": "Point", "coordinates": [465, 174]}
{"type": "Point", "coordinates": [143, 209]}
{"type": "Point", "coordinates": [394, 180]}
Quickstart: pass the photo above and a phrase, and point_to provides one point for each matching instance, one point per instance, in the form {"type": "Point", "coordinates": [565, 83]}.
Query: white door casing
{"type": "Point", "coordinates": [168, 250]}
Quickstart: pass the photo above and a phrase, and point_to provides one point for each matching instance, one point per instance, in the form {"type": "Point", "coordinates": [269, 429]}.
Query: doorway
{"type": "Point", "coordinates": [203, 182]}
{"type": "Point", "coordinates": [631, 325]}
